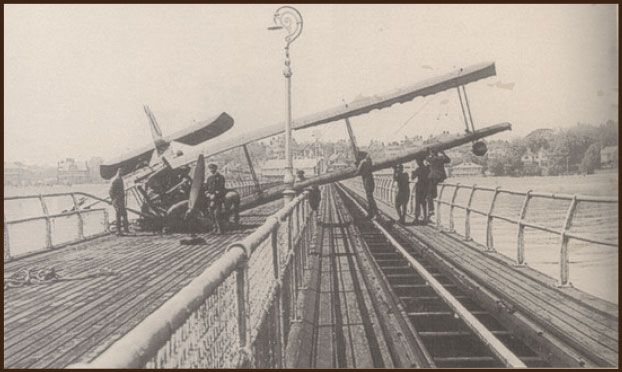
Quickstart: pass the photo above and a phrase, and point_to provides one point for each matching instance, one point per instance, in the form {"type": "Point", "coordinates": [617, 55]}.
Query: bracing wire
{"type": "Point", "coordinates": [413, 115]}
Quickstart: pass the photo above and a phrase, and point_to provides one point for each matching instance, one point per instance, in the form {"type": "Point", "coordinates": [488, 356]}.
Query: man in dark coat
{"type": "Point", "coordinates": [215, 185]}
{"type": "Point", "coordinates": [117, 197]}
{"type": "Point", "coordinates": [315, 197]}
{"type": "Point", "coordinates": [403, 191]}
{"type": "Point", "coordinates": [437, 175]}
{"type": "Point", "coordinates": [364, 169]}
{"type": "Point", "coordinates": [422, 187]}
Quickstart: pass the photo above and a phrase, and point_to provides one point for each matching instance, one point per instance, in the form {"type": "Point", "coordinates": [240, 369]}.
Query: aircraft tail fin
{"type": "Point", "coordinates": [156, 133]}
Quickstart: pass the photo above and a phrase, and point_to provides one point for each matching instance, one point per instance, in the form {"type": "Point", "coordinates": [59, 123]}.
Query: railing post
{"type": "Point", "coordinates": [451, 207]}
{"type": "Point", "coordinates": [438, 206]}
{"type": "Point", "coordinates": [520, 241]}
{"type": "Point", "coordinates": [564, 259]}
{"type": "Point", "coordinates": [279, 296]}
{"type": "Point", "coordinates": [242, 292]}
{"type": "Point", "coordinates": [106, 221]}
{"type": "Point", "coordinates": [391, 191]}
{"type": "Point", "coordinates": [385, 184]}
{"type": "Point", "coordinates": [490, 247]}
{"type": "Point", "coordinates": [467, 215]}
{"type": "Point", "coordinates": [7, 245]}
{"type": "Point", "coordinates": [80, 217]}
{"type": "Point", "coordinates": [294, 276]}
{"type": "Point", "coordinates": [411, 198]}
{"type": "Point", "coordinates": [48, 223]}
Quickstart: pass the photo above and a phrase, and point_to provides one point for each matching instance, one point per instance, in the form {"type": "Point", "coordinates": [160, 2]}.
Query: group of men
{"type": "Point", "coordinates": [213, 189]}
{"type": "Point", "coordinates": [429, 173]}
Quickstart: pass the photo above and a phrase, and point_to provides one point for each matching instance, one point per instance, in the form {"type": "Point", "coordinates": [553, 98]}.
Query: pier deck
{"type": "Point", "coordinates": [587, 324]}
{"type": "Point", "coordinates": [54, 324]}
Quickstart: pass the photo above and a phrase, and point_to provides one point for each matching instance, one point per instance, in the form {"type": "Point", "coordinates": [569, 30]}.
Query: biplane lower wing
{"type": "Point", "coordinates": [406, 156]}
{"type": "Point", "coordinates": [129, 162]}
{"type": "Point", "coordinates": [192, 136]}
{"type": "Point", "coordinates": [435, 85]}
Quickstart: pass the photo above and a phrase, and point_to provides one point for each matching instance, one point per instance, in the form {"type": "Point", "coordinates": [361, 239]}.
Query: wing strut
{"type": "Point", "coordinates": [466, 109]}
{"type": "Point", "coordinates": [250, 166]}
{"type": "Point", "coordinates": [355, 149]}
{"type": "Point", "coordinates": [479, 148]}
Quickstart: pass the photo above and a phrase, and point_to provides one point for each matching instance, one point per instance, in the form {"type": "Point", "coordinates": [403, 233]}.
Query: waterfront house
{"type": "Point", "coordinates": [466, 169]}
{"type": "Point", "coordinates": [609, 156]}
{"type": "Point", "coordinates": [70, 171]}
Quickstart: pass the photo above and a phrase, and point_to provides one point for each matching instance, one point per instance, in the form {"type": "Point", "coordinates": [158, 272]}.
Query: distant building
{"type": "Point", "coordinates": [93, 167]}
{"type": "Point", "coordinates": [540, 158]}
{"type": "Point", "coordinates": [466, 169]}
{"type": "Point", "coordinates": [496, 153]}
{"type": "Point", "coordinates": [69, 171]}
{"type": "Point", "coordinates": [406, 144]}
{"type": "Point", "coordinates": [275, 168]}
{"type": "Point", "coordinates": [16, 174]}
{"type": "Point", "coordinates": [336, 166]}
{"type": "Point", "coordinates": [609, 156]}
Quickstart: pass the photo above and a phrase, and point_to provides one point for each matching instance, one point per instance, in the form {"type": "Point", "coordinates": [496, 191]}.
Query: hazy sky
{"type": "Point", "coordinates": [76, 76]}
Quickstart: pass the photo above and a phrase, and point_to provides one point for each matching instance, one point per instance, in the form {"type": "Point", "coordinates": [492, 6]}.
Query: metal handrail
{"type": "Point", "coordinates": [549, 195]}
{"type": "Point", "coordinates": [48, 219]}
{"type": "Point", "coordinates": [142, 344]}
{"type": "Point", "coordinates": [564, 233]}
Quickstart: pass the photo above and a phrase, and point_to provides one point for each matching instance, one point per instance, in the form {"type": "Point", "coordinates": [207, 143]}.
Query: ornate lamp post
{"type": "Point", "coordinates": [288, 18]}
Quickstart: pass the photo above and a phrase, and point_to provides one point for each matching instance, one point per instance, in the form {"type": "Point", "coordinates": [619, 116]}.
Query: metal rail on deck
{"type": "Point", "coordinates": [385, 191]}
{"type": "Point", "coordinates": [501, 351]}
{"type": "Point", "coordinates": [236, 313]}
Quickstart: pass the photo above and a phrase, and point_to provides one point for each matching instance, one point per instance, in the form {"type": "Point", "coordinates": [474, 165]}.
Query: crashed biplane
{"type": "Point", "coordinates": [457, 79]}
{"type": "Point", "coordinates": [169, 147]}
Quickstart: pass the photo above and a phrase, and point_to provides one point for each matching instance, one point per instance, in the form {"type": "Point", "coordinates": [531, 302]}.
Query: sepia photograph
{"type": "Point", "coordinates": [311, 186]}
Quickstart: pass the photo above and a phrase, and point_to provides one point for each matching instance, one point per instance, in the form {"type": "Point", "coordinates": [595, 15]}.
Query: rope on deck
{"type": "Point", "coordinates": [32, 276]}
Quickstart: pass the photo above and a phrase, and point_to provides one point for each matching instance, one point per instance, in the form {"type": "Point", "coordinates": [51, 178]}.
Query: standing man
{"type": "Point", "coordinates": [117, 197]}
{"type": "Point", "coordinates": [422, 188]}
{"type": "Point", "coordinates": [315, 197]}
{"type": "Point", "coordinates": [437, 175]}
{"type": "Point", "coordinates": [403, 192]}
{"type": "Point", "coordinates": [215, 193]}
{"type": "Point", "coordinates": [364, 169]}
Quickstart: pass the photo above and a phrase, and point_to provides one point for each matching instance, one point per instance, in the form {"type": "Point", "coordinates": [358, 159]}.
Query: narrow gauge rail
{"type": "Point", "coordinates": [437, 313]}
{"type": "Point", "coordinates": [350, 336]}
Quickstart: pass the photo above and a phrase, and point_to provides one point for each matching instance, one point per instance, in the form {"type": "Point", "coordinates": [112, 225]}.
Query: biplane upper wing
{"type": "Point", "coordinates": [203, 131]}
{"type": "Point", "coordinates": [192, 135]}
{"type": "Point", "coordinates": [424, 88]}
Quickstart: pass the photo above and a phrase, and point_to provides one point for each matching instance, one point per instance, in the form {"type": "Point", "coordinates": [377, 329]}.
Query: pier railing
{"type": "Point", "coordinates": [35, 223]}
{"type": "Point", "coordinates": [540, 220]}
{"type": "Point", "coordinates": [237, 313]}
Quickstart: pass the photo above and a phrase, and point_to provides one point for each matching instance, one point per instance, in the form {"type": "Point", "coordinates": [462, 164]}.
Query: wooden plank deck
{"type": "Point", "coordinates": [590, 325]}
{"type": "Point", "coordinates": [347, 333]}
{"type": "Point", "coordinates": [52, 325]}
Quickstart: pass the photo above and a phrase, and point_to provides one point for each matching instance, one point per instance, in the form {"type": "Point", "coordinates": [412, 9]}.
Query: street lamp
{"type": "Point", "coordinates": [288, 18]}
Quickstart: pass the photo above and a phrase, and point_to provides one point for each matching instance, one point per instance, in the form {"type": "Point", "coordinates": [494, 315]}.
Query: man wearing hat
{"type": "Point", "coordinates": [363, 168]}
{"type": "Point", "coordinates": [437, 175]}
{"type": "Point", "coordinates": [215, 185]}
{"type": "Point", "coordinates": [117, 197]}
{"type": "Point", "coordinates": [403, 191]}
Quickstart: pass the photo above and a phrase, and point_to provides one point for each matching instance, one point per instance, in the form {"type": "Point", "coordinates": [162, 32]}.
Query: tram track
{"type": "Point", "coordinates": [454, 330]}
